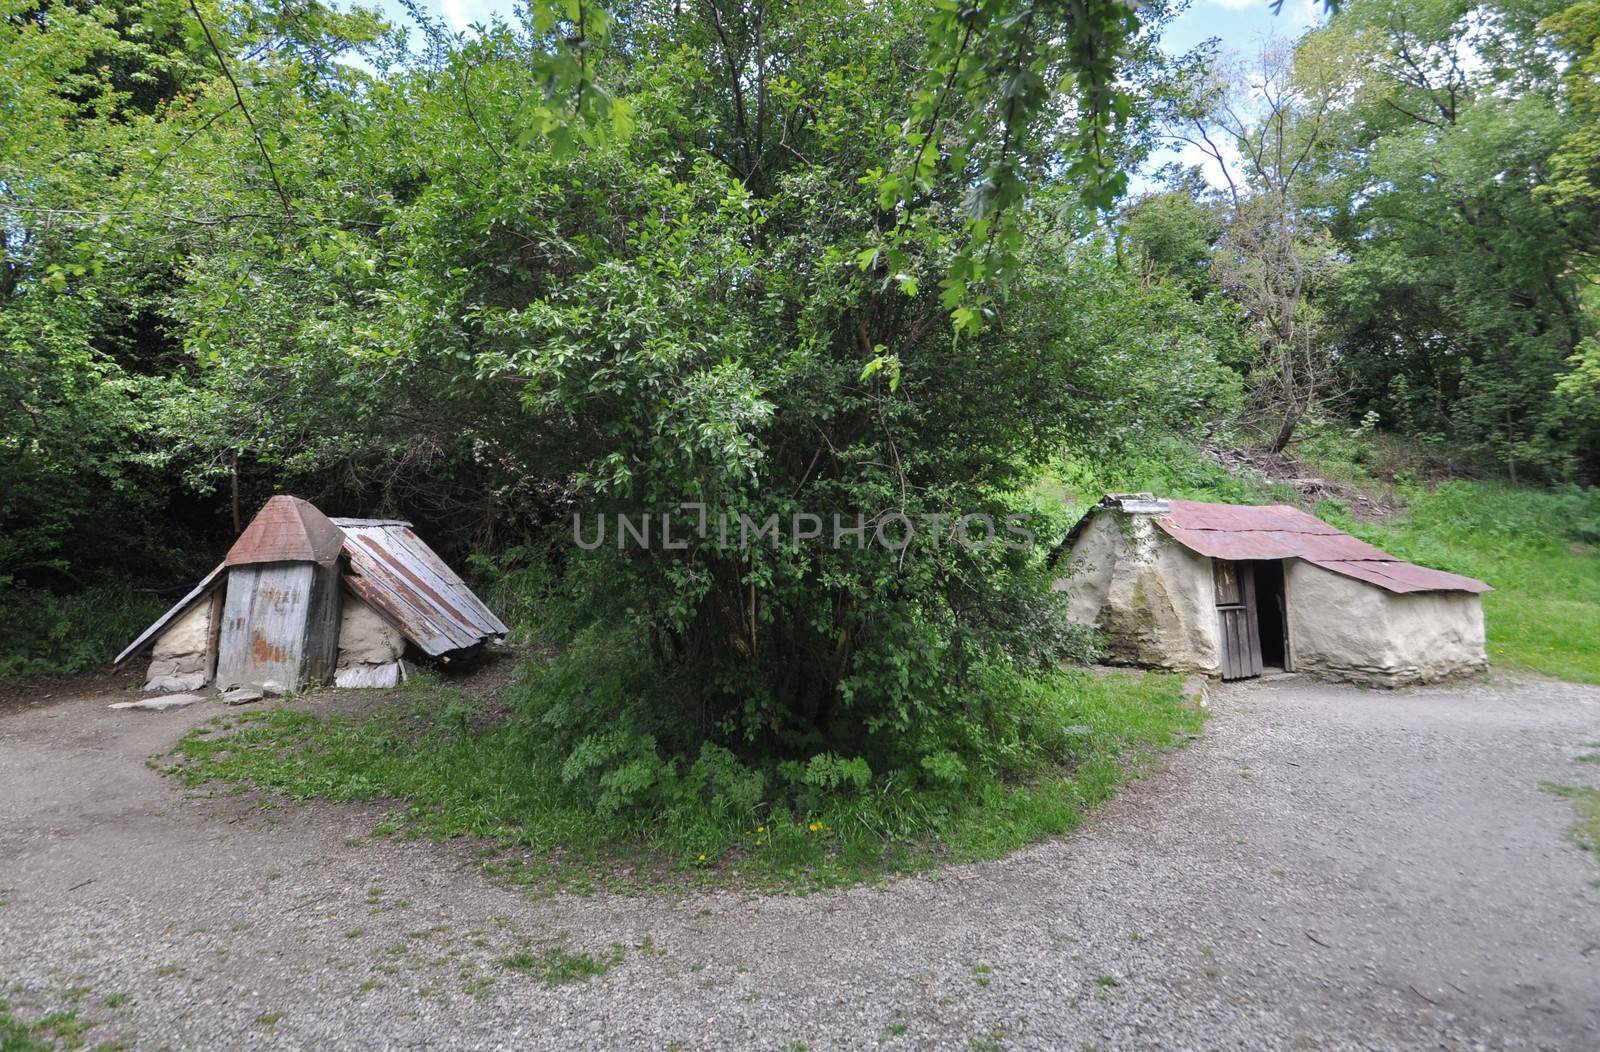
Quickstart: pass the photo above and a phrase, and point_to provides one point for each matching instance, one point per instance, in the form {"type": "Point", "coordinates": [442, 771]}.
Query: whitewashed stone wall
{"type": "Point", "coordinates": [1152, 599]}
{"type": "Point", "coordinates": [370, 648]}
{"type": "Point", "coordinates": [181, 657]}
{"type": "Point", "coordinates": [1340, 628]}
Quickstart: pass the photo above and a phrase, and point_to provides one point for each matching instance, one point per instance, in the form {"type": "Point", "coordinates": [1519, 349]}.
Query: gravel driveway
{"type": "Point", "coordinates": [1327, 867]}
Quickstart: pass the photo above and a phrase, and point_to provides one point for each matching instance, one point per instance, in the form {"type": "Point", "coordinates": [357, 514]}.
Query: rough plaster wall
{"type": "Point", "coordinates": [1150, 597]}
{"type": "Point", "coordinates": [180, 659]}
{"type": "Point", "coordinates": [1343, 629]}
{"type": "Point", "coordinates": [369, 648]}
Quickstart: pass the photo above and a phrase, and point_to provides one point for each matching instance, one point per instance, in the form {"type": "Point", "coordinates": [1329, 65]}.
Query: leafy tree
{"type": "Point", "coordinates": [1265, 127]}
{"type": "Point", "coordinates": [1460, 306]}
{"type": "Point", "coordinates": [668, 304]}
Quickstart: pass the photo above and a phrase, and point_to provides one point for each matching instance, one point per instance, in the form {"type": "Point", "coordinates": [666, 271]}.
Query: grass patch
{"type": "Point", "coordinates": [1585, 831]}
{"type": "Point", "coordinates": [56, 1030]}
{"type": "Point", "coordinates": [498, 781]}
{"type": "Point", "coordinates": [556, 965]}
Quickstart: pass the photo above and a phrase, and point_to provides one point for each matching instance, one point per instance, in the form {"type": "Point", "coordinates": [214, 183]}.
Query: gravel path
{"type": "Point", "coordinates": [1325, 868]}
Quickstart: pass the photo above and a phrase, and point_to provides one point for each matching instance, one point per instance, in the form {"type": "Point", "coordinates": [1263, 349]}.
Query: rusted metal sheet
{"type": "Point", "coordinates": [287, 529]}
{"type": "Point", "coordinates": [406, 582]}
{"type": "Point", "coordinates": [1402, 577]}
{"type": "Point", "coordinates": [1273, 544]}
{"type": "Point", "coordinates": [280, 626]}
{"type": "Point", "coordinates": [280, 620]}
{"type": "Point", "coordinates": [207, 584]}
{"type": "Point", "coordinates": [1241, 532]}
{"type": "Point", "coordinates": [1240, 518]}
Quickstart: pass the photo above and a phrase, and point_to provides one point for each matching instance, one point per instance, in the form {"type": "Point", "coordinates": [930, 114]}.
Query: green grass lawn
{"type": "Point", "coordinates": [456, 777]}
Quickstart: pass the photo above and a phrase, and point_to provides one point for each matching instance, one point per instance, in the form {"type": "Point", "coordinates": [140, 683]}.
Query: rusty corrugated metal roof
{"type": "Point", "coordinates": [388, 567]}
{"type": "Point", "coordinates": [1399, 576]}
{"type": "Point", "coordinates": [1277, 531]}
{"type": "Point", "coordinates": [401, 577]}
{"type": "Point", "coordinates": [287, 529]}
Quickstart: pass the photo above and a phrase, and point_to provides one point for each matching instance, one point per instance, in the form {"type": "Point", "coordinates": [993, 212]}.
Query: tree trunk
{"type": "Point", "coordinates": [1291, 420]}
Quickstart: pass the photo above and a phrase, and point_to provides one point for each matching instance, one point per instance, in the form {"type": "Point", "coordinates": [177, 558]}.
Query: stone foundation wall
{"type": "Point", "coordinates": [370, 648]}
{"type": "Point", "coordinates": [181, 657]}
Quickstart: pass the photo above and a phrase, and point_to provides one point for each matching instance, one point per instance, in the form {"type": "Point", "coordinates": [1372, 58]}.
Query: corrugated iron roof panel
{"type": "Point", "coordinates": [1277, 531]}
{"type": "Point", "coordinates": [394, 571]}
{"type": "Point", "coordinates": [1237, 518]}
{"type": "Point", "coordinates": [1397, 576]}
{"type": "Point", "coordinates": [1272, 544]}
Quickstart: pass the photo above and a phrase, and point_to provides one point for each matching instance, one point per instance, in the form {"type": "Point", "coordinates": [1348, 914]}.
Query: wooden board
{"type": "Point", "coordinates": [1236, 613]}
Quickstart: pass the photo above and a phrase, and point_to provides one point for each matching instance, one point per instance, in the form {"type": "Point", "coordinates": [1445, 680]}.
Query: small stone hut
{"type": "Point", "coordinates": [1231, 591]}
{"type": "Point", "coordinates": [301, 599]}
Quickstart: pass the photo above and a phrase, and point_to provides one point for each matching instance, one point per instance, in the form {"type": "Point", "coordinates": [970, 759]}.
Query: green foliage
{"type": "Point", "coordinates": [45, 634]}
{"type": "Point", "coordinates": [1575, 164]}
{"type": "Point", "coordinates": [556, 965]}
{"type": "Point", "coordinates": [1461, 302]}
{"type": "Point", "coordinates": [1585, 831]}
{"type": "Point", "coordinates": [536, 781]}
{"type": "Point", "coordinates": [56, 1030]}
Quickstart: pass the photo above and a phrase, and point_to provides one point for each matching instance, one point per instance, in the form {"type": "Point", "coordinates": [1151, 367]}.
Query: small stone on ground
{"type": "Point", "coordinates": [160, 703]}
{"type": "Point", "coordinates": [241, 696]}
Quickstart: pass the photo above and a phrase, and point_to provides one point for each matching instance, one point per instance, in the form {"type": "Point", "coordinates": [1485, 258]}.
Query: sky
{"type": "Point", "coordinates": [1241, 25]}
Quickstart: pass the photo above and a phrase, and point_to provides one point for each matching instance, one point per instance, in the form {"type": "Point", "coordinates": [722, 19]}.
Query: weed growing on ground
{"type": "Point", "coordinates": [56, 1030]}
{"type": "Point", "coordinates": [555, 965]}
{"type": "Point", "coordinates": [1585, 831]}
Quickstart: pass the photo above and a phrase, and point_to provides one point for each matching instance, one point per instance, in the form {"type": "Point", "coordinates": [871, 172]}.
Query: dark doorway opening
{"type": "Point", "coordinates": [1271, 613]}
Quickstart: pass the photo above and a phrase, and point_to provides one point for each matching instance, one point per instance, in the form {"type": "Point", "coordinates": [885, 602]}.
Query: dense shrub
{"type": "Point", "coordinates": [44, 634]}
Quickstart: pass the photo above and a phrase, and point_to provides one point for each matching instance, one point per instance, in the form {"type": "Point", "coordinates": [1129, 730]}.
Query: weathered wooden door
{"type": "Point", "coordinates": [1236, 610]}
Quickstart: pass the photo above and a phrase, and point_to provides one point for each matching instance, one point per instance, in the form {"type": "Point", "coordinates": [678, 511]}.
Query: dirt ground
{"type": "Point", "coordinates": [1325, 868]}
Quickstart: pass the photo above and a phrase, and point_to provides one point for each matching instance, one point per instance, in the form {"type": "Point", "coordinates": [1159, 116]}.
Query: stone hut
{"type": "Point", "coordinates": [303, 600]}
{"type": "Point", "coordinates": [1233, 590]}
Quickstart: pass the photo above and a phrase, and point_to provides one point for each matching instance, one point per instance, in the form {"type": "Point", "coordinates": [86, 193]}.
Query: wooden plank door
{"type": "Point", "coordinates": [1236, 611]}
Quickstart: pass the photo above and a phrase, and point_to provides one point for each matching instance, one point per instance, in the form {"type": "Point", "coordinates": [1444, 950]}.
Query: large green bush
{"type": "Point", "coordinates": [44, 634]}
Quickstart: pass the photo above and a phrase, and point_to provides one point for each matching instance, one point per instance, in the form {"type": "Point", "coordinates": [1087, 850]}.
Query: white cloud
{"type": "Point", "coordinates": [462, 13]}
{"type": "Point", "coordinates": [1191, 154]}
